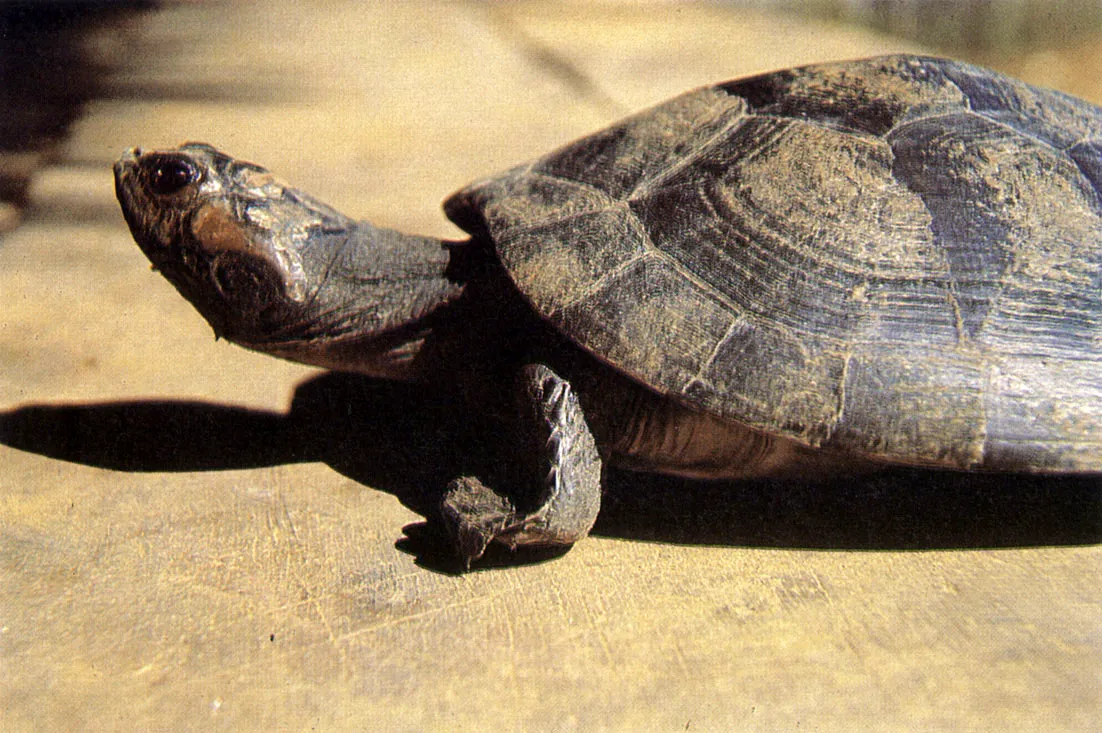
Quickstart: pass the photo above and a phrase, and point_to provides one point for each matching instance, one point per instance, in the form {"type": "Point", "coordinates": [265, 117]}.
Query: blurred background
{"type": "Point", "coordinates": [58, 57]}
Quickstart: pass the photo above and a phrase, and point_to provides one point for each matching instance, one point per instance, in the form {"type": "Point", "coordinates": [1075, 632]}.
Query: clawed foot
{"type": "Point", "coordinates": [559, 490]}
{"type": "Point", "coordinates": [475, 516]}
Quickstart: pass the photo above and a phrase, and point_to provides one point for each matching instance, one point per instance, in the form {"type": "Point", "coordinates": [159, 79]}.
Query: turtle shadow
{"type": "Point", "coordinates": [895, 509]}
{"type": "Point", "coordinates": [409, 441]}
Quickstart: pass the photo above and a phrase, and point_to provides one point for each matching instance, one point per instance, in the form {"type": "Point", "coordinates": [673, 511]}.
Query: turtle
{"type": "Point", "coordinates": [803, 273]}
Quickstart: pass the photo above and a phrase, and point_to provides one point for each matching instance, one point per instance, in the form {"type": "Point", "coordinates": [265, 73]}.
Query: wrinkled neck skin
{"type": "Point", "coordinates": [372, 300]}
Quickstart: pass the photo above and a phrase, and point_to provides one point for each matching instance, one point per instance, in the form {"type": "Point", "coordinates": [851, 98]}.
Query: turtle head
{"type": "Point", "coordinates": [277, 271]}
{"type": "Point", "coordinates": [226, 233]}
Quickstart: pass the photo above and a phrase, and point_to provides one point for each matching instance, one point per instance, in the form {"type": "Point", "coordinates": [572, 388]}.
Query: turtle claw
{"type": "Point", "coordinates": [474, 515]}
{"type": "Point", "coordinates": [558, 504]}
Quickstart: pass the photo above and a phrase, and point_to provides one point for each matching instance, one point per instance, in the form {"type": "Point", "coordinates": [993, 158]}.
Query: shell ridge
{"type": "Point", "coordinates": [647, 184]}
{"type": "Point", "coordinates": [822, 124]}
{"type": "Point", "coordinates": [572, 183]}
{"type": "Point", "coordinates": [600, 283]}
{"type": "Point", "coordinates": [551, 221]}
{"type": "Point", "coordinates": [841, 399]}
{"type": "Point", "coordinates": [924, 163]}
{"type": "Point", "coordinates": [993, 119]}
{"type": "Point", "coordinates": [706, 364]}
{"type": "Point", "coordinates": [1087, 156]}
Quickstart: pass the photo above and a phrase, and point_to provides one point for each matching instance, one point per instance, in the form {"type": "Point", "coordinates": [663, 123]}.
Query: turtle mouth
{"type": "Point", "coordinates": [127, 160]}
{"type": "Point", "coordinates": [124, 170]}
{"type": "Point", "coordinates": [142, 216]}
{"type": "Point", "coordinates": [125, 163]}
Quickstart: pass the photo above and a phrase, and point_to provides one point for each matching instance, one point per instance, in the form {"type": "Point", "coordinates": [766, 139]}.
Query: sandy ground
{"type": "Point", "coordinates": [196, 537]}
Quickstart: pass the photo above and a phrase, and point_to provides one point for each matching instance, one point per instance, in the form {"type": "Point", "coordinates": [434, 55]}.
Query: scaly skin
{"type": "Point", "coordinates": [276, 271]}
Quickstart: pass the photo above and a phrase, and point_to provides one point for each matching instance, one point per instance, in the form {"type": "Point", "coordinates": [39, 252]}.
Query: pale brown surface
{"type": "Point", "coordinates": [236, 585]}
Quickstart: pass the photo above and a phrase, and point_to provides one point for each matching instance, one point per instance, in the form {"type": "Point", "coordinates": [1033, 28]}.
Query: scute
{"type": "Point", "coordinates": [900, 257]}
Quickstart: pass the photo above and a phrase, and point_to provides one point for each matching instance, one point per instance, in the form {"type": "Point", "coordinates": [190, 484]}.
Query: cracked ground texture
{"type": "Point", "coordinates": [196, 537]}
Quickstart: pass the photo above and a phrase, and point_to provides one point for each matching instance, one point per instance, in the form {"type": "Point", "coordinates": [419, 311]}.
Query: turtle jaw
{"type": "Point", "coordinates": [274, 270]}
{"type": "Point", "coordinates": [151, 226]}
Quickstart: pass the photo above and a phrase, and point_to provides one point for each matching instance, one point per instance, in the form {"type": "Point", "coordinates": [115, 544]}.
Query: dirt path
{"type": "Point", "coordinates": [195, 537]}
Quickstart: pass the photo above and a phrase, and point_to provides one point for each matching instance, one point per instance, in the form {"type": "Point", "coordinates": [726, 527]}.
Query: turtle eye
{"type": "Point", "coordinates": [169, 175]}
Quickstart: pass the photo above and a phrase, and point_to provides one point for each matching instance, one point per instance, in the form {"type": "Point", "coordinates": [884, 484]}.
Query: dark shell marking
{"type": "Point", "coordinates": [898, 256]}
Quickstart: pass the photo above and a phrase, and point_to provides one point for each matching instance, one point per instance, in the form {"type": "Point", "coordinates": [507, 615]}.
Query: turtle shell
{"type": "Point", "coordinates": [898, 256]}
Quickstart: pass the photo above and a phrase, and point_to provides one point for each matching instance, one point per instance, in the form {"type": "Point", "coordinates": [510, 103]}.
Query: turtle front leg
{"type": "Point", "coordinates": [559, 476]}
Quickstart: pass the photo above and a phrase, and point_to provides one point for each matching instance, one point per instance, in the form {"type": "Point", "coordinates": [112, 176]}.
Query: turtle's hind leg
{"type": "Point", "coordinates": [560, 476]}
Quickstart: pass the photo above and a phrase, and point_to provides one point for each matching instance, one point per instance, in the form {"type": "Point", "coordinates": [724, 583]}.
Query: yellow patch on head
{"type": "Point", "coordinates": [218, 230]}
